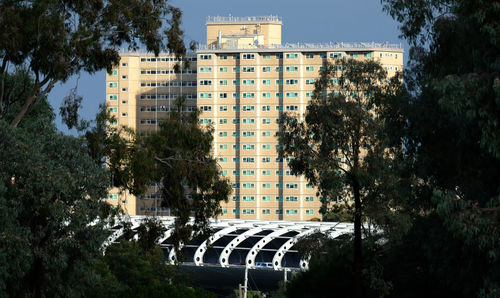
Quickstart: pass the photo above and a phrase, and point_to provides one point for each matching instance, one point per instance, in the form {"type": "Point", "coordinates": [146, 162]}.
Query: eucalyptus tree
{"type": "Point", "coordinates": [338, 147]}
{"type": "Point", "coordinates": [55, 39]}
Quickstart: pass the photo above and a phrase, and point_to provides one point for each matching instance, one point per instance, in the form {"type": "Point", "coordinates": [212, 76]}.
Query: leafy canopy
{"type": "Point", "coordinates": [55, 39]}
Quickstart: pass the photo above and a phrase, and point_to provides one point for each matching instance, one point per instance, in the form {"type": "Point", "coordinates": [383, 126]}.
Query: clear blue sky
{"type": "Point", "coordinates": [303, 21]}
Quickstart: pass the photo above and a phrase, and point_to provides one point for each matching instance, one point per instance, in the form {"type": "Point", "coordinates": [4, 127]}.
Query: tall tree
{"type": "Point", "coordinates": [337, 146]}
{"type": "Point", "coordinates": [450, 120]}
{"type": "Point", "coordinates": [178, 155]}
{"type": "Point", "coordinates": [190, 176]}
{"type": "Point", "coordinates": [52, 213]}
{"type": "Point", "coordinates": [56, 39]}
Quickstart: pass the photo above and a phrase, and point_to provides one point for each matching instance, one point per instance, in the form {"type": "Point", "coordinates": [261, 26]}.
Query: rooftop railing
{"type": "Point", "coordinates": [230, 19]}
{"type": "Point", "coordinates": [299, 46]}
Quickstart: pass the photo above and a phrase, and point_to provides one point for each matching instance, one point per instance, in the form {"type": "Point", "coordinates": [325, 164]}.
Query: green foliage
{"type": "Point", "coordinates": [338, 147]}
{"type": "Point", "coordinates": [448, 121]}
{"type": "Point", "coordinates": [178, 155]}
{"type": "Point", "coordinates": [189, 173]}
{"type": "Point", "coordinates": [56, 39]}
{"type": "Point", "coordinates": [52, 224]}
{"type": "Point", "coordinates": [330, 274]}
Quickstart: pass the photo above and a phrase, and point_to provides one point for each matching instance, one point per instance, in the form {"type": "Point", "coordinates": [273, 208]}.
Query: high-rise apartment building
{"type": "Point", "coordinates": [241, 80]}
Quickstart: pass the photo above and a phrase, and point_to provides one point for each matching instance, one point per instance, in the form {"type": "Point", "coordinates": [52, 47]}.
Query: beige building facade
{"type": "Point", "coordinates": [244, 79]}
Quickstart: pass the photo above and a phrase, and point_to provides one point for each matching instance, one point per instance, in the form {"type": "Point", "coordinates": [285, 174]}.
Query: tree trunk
{"type": "Point", "coordinates": [358, 258]}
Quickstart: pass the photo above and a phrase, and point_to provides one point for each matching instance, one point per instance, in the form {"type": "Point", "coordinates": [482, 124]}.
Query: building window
{"type": "Point", "coordinates": [292, 56]}
{"type": "Point", "coordinates": [292, 68]}
{"type": "Point", "coordinates": [248, 198]}
{"type": "Point", "coordinates": [113, 97]}
{"type": "Point", "coordinates": [279, 199]}
{"type": "Point", "coordinates": [309, 211]}
{"type": "Point", "coordinates": [292, 82]}
{"type": "Point", "coordinates": [266, 56]}
{"type": "Point", "coordinates": [205, 57]}
{"type": "Point", "coordinates": [309, 68]}
{"type": "Point", "coordinates": [222, 69]}
{"type": "Point", "coordinates": [206, 83]}
{"type": "Point", "coordinates": [279, 69]}
{"type": "Point", "coordinates": [266, 199]}
{"type": "Point", "coordinates": [367, 55]}
{"type": "Point", "coordinates": [279, 211]}
{"type": "Point", "coordinates": [266, 159]}
{"type": "Point", "coordinates": [248, 185]}
{"type": "Point", "coordinates": [266, 211]}
{"type": "Point", "coordinates": [309, 199]}
{"type": "Point", "coordinates": [292, 94]}
{"type": "Point", "coordinates": [236, 69]}
{"type": "Point", "coordinates": [124, 89]}
{"type": "Point", "coordinates": [248, 82]}
{"type": "Point", "coordinates": [223, 121]}
{"type": "Point", "coordinates": [222, 159]}
{"type": "Point", "coordinates": [353, 55]}
{"type": "Point", "coordinates": [248, 172]}
{"type": "Point", "coordinates": [266, 172]}
{"type": "Point", "coordinates": [266, 69]}
{"type": "Point", "coordinates": [222, 134]}
{"type": "Point", "coordinates": [205, 95]}
{"type": "Point", "coordinates": [266, 82]}
{"type": "Point", "coordinates": [266, 95]}
{"type": "Point", "coordinates": [124, 64]}
{"type": "Point", "coordinates": [248, 56]}
{"type": "Point", "coordinates": [249, 133]}
{"type": "Point", "coordinates": [266, 147]}
{"type": "Point", "coordinates": [113, 84]}
{"type": "Point", "coordinates": [248, 69]}
{"type": "Point", "coordinates": [223, 95]}
{"type": "Point", "coordinates": [113, 196]}
{"type": "Point", "coordinates": [223, 57]}
{"type": "Point", "coordinates": [248, 147]}
{"type": "Point", "coordinates": [248, 95]}
{"type": "Point", "coordinates": [248, 211]}
{"type": "Point", "coordinates": [248, 120]}
{"type": "Point", "coordinates": [292, 211]}
{"type": "Point", "coordinates": [309, 56]}
{"type": "Point", "coordinates": [223, 82]}
{"type": "Point", "coordinates": [248, 108]}
{"type": "Point", "coordinates": [223, 108]}
{"type": "Point", "coordinates": [114, 72]}
{"type": "Point", "coordinates": [223, 146]}
{"type": "Point", "coordinates": [205, 69]}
